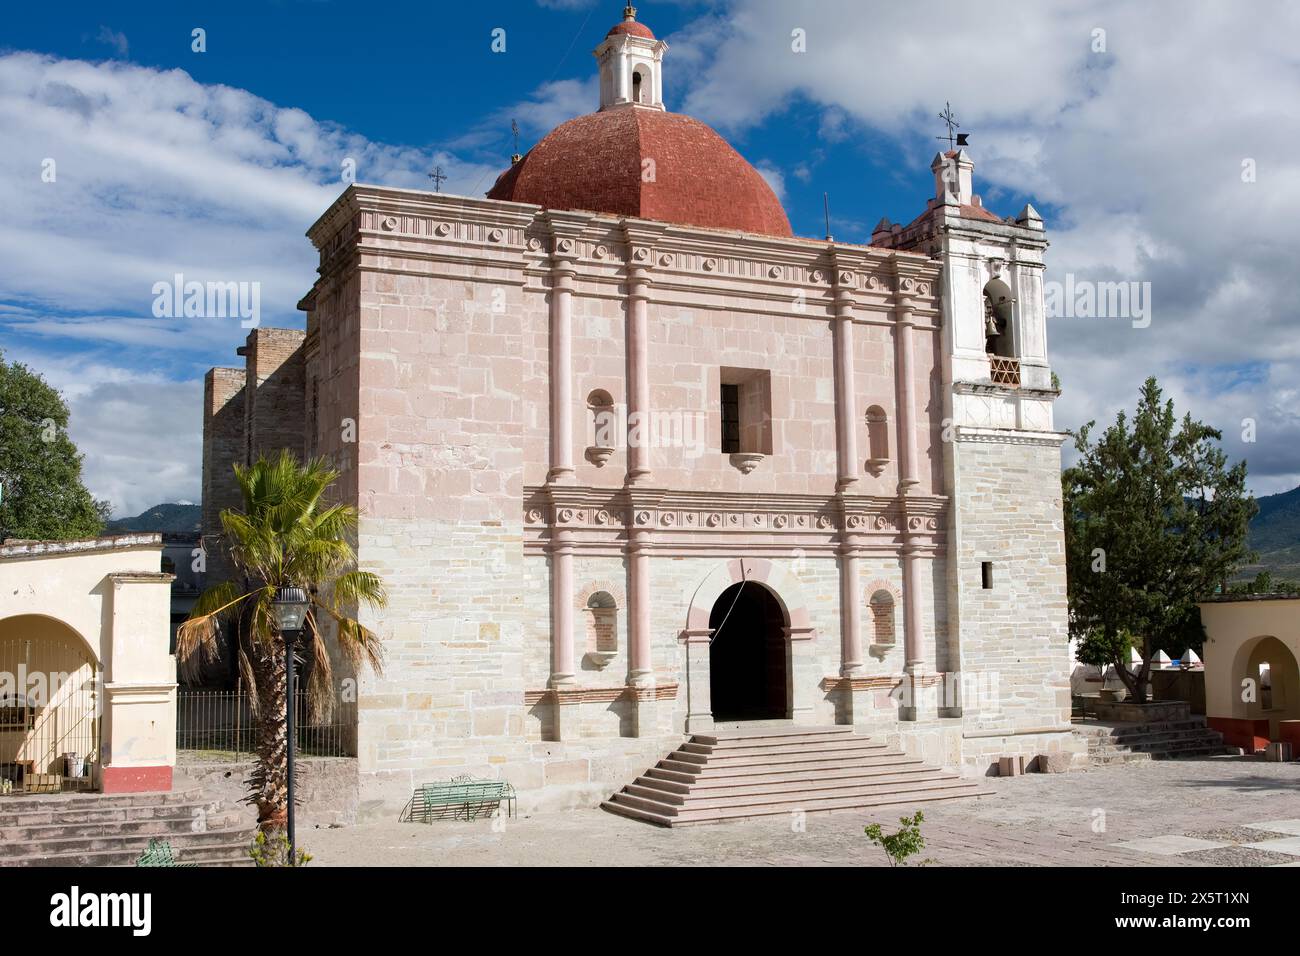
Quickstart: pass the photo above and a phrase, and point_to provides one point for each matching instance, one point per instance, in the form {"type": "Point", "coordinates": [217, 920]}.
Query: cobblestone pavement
{"type": "Point", "coordinates": [1035, 820]}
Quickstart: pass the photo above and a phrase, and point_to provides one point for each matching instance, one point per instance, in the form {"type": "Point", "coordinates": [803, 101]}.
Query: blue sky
{"type": "Point", "coordinates": [213, 164]}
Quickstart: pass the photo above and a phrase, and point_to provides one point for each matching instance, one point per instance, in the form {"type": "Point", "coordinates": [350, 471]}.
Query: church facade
{"type": "Point", "coordinates": [636, 462]}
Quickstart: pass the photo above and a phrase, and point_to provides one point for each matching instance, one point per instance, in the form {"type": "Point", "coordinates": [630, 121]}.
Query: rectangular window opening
{"type": "Point", "coordinates": [986, 575]}
{"type": "Point", "coordinates": [746, 403]}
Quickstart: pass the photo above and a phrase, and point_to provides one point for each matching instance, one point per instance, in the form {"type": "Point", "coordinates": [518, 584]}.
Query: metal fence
{"type": "Point", "coordinates": [220, 722]}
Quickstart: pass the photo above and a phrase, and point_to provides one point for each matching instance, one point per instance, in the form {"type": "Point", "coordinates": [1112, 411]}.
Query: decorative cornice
{"type": "Point", "coordinates": [599, 695]}
{"type": "Point", "coordinates": [1007, 436]}
{"type": "Point", "coordinates": [880, 682]}
{"type": "Point", "coordinates": [585, 508]}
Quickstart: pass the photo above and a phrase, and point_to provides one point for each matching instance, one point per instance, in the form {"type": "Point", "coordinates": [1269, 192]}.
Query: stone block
{"type": "Point", "coordinates": [1054, 762]}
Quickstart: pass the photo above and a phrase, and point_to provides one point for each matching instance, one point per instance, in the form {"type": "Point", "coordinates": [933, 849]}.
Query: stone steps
{"type": "Point", "coordinates": [734, 775]}
{"type": "Point", "coordinates": [790, 778]}
{"type": "Point", "coordinates": [114, 829]}
{"type": "Point", "coordinates": [1168, 740]}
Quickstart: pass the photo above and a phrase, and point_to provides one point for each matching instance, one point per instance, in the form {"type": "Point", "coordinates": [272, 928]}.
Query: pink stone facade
{"type": "Point", "coordinates": [453, 352]}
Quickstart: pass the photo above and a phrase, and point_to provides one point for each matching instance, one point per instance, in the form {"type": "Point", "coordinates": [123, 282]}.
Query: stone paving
{"type": "Point", "coordinates": [1218, 811]}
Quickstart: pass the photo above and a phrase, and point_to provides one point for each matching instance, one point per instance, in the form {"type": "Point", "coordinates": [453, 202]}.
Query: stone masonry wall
{"type": "Point", "coordinates": [275, 397]}
{"type": "Point", "coordinates": [223, 447]}
{"type": "Point", "coordinates": [1013, 638]}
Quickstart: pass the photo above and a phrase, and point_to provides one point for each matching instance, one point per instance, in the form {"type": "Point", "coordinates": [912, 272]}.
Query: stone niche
{"type": "Point", "coordinates": [601, 613]}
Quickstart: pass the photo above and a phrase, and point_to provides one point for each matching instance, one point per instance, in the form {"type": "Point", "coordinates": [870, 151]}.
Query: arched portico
{"type": "Point", "coordinates": [87, 682]}
{"type": "Point", "coordinates": [1269, 677]}
{"type": "Point", "coordinates": [797, 634]}
{"type": "Point", "coordinates": [51, 702]}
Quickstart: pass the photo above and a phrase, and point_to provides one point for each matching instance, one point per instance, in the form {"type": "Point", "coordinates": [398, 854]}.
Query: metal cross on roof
{"type": "Point", "coordinates": [438, 177]}
{"type": "Point", "coordinates": [953, 137]}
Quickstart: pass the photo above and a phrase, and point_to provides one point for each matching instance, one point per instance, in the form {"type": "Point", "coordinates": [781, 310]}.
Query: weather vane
{"type": "Point", "coordinates": [438, 177]}
{"type": "Point", "coordinates": [951, 121]}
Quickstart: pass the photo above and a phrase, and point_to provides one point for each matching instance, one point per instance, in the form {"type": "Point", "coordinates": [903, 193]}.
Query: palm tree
{"type": "Point", "coordinates": [284, 536]}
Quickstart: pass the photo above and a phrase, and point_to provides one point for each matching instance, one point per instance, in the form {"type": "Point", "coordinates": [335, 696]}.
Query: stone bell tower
{"type": "Point", "coordinates": [1002, 462]}
{"type": "Point", "coordinates": [631, 65]}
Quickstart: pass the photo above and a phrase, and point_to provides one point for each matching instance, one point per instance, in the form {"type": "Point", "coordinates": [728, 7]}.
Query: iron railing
{"type": "Point", "coordinates": [222, 724]}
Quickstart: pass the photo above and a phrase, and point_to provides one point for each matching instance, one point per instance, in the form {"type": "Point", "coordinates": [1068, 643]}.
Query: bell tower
{"type": "Point", "coordinates": [631, 65]}
{"type": "Point", "coordinates": [1006, 594]}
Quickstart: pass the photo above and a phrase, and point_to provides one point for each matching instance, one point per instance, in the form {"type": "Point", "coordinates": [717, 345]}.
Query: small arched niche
{"type": "Point", "coordinates": [601, 613]}
{"type": "Point", "coordinates": [883, 619]}
{"type": "Point", "coordinates": [640, 85]}
{"type": "Point", "coordinates": [602, 427]}
{"type": "Point", "coordinates": [877, 440]}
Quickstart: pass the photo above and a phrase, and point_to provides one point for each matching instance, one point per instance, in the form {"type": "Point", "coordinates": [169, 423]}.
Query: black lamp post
{"type": "Point", "coordinates": [289, 610]}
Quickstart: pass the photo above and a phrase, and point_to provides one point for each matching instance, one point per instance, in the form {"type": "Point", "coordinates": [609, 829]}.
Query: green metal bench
{"type": "Point", "coordinates": [465, 795]}
{"type": "Point", "coordinates": [159, 854]}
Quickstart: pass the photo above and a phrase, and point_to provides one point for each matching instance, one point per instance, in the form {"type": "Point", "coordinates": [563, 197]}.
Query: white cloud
{"type": "Point", "coordinates": [154, 174]}
{"type": "Point", "coordinates": [1138, 150]}
{"type": "Point", "coordinates": [115, 39]}
{"type": "Point", "coordinates": [775, 178]}
{"type": "Point", "coordinates": [140, 433]}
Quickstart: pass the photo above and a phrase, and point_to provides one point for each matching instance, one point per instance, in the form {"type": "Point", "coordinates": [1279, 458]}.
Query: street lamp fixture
{"type": "Point", "coordinates": [289, 611]}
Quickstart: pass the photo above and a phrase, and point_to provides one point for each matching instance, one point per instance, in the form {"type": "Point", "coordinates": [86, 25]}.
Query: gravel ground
{"type": "Point", "coordinates": [1036, 820]}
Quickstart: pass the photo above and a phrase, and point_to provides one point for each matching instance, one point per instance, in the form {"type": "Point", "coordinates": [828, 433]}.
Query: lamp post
{"type": "Point", "coordinates": [289, 610]}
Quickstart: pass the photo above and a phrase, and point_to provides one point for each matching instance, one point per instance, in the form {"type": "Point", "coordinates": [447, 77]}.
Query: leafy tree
{"type": "Point", "coordinates": [1154, 521]}
{"type": "Point", "coordinates": [901, 845]}
{"type": "Point", "coordinates": [284, 536]}
{"type": "Point", "coordinates": [41, 494]}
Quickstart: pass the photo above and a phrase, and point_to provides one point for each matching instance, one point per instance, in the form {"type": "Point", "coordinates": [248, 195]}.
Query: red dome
{"type": "Point", "coordinates": [595, 162]}
{"type": "Point", "coordinates": [631, 27]}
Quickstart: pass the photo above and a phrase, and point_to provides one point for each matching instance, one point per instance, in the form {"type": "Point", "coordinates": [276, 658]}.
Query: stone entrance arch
{"type": "Point", "coordinates": [800, 669]}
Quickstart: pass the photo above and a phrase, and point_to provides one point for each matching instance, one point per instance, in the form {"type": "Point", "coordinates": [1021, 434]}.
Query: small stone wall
{"type": "Point", "coordinates": [326, 787]}
{"type": "Point", "coordinates": [1144, 713]}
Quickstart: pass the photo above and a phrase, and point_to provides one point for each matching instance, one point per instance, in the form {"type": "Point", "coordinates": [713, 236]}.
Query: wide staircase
{"type": "Point", "coordinates": [114, 829]}
{"type": "Point", "coordinates": [1123, 742]}
{"type": "Point", "coordinates": [731, 775]}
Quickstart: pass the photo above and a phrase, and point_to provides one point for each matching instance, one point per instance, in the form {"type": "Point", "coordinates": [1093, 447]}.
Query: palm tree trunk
{"type": "Point", "coordinates": [270, 780]}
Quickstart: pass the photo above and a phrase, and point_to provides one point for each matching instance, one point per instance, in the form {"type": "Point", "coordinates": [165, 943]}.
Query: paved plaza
{"type": "Point", "coordinates": [1221, 811]}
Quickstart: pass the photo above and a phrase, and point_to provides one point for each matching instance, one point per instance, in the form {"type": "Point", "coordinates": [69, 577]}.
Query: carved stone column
{"type": "Point", "coordinates": [563, 669]}
{"type": "Point", "coordinates": [846, 414]}
{"type": "Point", "coordinates": [561, 370]}
{"type": "Point", "coordinates": [908, 465]}
{"type": "Point", "coordinates": [638, 371]}
{"type": "Point", "coordinates": [640, 660]}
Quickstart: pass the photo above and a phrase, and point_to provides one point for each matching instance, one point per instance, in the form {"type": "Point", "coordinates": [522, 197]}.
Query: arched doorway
{"type": "Point", "coordinates": [50, 706]}
{"type": "Point", "coordinates": [748, 655]}
{"type": "Point", "coordinates": [1275, 682]}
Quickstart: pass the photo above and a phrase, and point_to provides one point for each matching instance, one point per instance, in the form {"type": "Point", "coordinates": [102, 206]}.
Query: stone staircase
{"type": "Point", "coordinates": [1117, 742]}
{"type": "Point", "coordinates": [114, 829]}
{"type": "Point", "coordinates": [731, 775]}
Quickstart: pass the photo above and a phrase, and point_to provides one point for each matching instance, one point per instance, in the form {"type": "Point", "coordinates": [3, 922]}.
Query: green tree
{"type": "Point", "coordinates": [1155, 519]}
{"type": "Point", "coordinates": [284, 536]}
{"type": "Point", "coordinates": [41, 494]}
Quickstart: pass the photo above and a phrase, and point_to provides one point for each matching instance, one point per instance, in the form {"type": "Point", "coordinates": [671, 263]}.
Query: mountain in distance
{"type": "Point", "coordinates": [178, 516]}
{"type": "Point", "coordinates": [1275, 534]}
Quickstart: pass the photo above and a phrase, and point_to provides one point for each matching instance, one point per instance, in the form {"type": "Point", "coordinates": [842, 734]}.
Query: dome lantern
{"type": "Point", "coordinates": [631, 65]}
